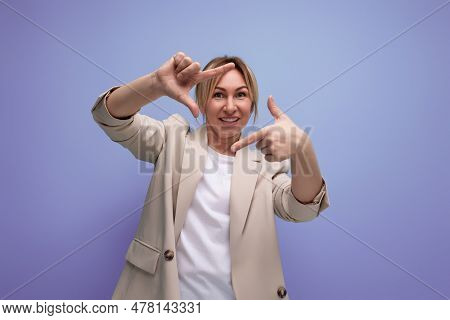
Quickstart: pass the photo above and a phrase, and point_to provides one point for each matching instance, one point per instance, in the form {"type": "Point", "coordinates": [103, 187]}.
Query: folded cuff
{"type": "Point", "coordinates": [101, 113]}
{"type": "Point", "coordinates": [304, 211]}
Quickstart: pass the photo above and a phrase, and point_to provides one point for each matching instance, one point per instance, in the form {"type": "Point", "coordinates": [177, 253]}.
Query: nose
{"type": "Point", "coordinates": [230, 107]}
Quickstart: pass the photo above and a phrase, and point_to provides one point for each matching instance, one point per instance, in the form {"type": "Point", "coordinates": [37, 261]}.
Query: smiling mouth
{"type": "Point", "coordinates": [229, 119]}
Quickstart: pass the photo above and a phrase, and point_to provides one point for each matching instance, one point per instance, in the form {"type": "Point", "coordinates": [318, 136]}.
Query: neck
{"type": "Point", "coordinates": [220, 144]}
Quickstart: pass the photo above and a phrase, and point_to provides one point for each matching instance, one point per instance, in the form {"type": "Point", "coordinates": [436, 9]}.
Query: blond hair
{"type": "Point", "coordinates": [204, 89]}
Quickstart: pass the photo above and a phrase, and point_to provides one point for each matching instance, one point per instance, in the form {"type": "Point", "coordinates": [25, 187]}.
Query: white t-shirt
{"type": "Point", "coordinates": [203, 249]}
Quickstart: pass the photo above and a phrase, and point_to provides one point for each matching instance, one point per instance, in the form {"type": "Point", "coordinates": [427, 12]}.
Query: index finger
{"type": "Point", "coordinates": [211, 73]}
{"type": "Point", "coordinates": [255, 136]}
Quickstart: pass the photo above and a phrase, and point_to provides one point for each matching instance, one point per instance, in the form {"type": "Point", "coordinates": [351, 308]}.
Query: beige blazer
{"type": "Point", "coordinates": [259, 191]}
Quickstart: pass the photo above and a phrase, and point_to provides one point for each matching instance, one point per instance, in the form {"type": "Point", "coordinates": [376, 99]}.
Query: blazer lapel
{"type": "Point", "coordinates": [246, 168]}
{"type": "Point", "coordinates": [194, 157]}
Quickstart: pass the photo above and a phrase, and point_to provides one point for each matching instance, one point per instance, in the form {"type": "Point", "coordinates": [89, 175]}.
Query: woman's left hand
{"type": "Point", "coordinates": [278, 141]}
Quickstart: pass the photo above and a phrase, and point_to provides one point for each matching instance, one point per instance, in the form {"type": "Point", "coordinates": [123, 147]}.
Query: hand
{"type": "Point", "coordinates": [179, 74]}
{"type": "Point", "coordinates": [278, 141]}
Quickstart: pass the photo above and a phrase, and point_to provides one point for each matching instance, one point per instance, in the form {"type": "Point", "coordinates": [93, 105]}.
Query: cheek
{"type": "Point", "coordinates": [247, 111]}
{"type": "Point", "coordinates": [211, 110]}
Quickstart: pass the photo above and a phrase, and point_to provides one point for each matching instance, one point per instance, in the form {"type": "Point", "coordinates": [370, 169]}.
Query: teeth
{"type": "Point", "coordinates": [229, 119]}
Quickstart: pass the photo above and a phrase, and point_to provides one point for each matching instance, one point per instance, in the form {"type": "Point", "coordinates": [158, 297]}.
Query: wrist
{"type": "Point", "coordinates": [154, 85]}
{"type": "Point", "coordinates": [301, 143]}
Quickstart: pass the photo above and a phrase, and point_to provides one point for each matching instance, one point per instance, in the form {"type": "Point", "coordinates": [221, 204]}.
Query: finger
{"type": "Point", "coordinates": [211, 73]}
{"type": "Point", "coordinates": [190, 103]}
{"type": "Point", "coordinates": [273, 108]}
{"type": "Point", "coordinates": [189, 72]}
{"type": "Point", "coordinates": [262, 143]}
{"type": "Point", "coordinates": [271, 158]}
{"type": "Point", "coordinates": [266, 150]}
{"type": "Point", "coordinates": [255, 136]}
{"type": "Point", "coordinates": [183, 64]}
{"type": "Point", "coordinates": [177, 57]}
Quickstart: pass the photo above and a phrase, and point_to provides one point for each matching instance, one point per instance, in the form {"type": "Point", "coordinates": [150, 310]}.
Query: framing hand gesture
{"type": "Point", "coordinates": [178, 75]}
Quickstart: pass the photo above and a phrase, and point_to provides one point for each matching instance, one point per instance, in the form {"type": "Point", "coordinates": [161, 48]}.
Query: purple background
{"type": "Point", "coordinates": [380, 131]}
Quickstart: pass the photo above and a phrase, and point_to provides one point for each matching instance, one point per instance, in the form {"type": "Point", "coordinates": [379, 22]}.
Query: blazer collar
{"type": "Point", "coordinates": [246, 169]}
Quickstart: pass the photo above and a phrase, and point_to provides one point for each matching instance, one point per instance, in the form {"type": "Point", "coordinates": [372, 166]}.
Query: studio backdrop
{"type": "Point", "coordinates": [369, 79]}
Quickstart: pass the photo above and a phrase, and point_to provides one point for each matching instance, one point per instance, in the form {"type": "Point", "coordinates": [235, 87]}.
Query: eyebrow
{"type": "Point", "coordinates": [220, 88]}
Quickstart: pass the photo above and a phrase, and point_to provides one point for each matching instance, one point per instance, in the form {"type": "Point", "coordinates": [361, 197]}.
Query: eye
{"type": "Point", "coordinates": [242, 94]}
{"type": "Point", "coordinates": [218, 95]}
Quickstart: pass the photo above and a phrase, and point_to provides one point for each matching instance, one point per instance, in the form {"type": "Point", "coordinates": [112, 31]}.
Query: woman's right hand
{"type": "Point", "coordinates": [178, 75]}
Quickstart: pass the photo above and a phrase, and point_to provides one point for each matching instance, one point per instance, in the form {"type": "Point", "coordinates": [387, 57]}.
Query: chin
{"type": "Point", "coordinates": [228, 133]}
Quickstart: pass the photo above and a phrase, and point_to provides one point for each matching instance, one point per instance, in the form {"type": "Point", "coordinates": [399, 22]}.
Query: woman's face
{"type": "Point", "coordinates": [230, 101]}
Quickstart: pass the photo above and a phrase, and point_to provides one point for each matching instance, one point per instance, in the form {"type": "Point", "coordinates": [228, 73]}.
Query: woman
{"type": "Point", "coordinates": [207, 229]}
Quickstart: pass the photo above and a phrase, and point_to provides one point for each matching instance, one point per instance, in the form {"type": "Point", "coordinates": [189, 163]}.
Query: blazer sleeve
{"type": "Point", "coordinates": [142, 135]}
{"type": "Point", "coordinates": [286, 206]}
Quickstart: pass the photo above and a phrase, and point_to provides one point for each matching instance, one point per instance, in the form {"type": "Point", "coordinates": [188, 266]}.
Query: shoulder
{"type": "Point", "coordinates": [176, 129]}
{"type": "Point", "coordinates": [176, 121]}
{"type": "Point", "coordinates": [176, 125]}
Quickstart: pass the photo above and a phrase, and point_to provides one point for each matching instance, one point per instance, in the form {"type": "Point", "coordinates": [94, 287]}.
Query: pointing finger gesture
{"type": "Point", "coordinates": [277, 141]}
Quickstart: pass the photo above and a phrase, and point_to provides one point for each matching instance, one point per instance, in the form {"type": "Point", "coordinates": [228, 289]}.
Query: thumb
{"type": "Point", "coordinates": [190, 103]}
{"type": "Point", "coordinates": [273, 108]}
